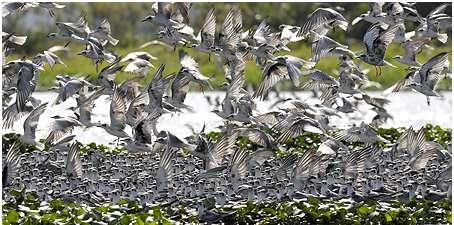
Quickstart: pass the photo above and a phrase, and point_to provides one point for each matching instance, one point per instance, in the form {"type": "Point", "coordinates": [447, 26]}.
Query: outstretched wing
{"type": "Point", "coordinates": [73, 162]}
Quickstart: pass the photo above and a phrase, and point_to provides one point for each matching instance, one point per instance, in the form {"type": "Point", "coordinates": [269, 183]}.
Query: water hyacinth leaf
{"type": "Point", "coordinates": [12, 216]}
{"type": "Point", "coordinates": [388, 217]}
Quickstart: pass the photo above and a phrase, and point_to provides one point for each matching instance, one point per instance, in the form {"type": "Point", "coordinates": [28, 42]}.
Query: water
{"type": "Point", "coordinates": [407, 108]}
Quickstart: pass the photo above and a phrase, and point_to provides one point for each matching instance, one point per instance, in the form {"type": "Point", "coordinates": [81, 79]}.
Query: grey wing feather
{"type": "Point", "coordinates": [31, 123]}
{"type": "Point", "coordinates": [118, 110]}
{"type": "Point", "coordinates": [73, 161]}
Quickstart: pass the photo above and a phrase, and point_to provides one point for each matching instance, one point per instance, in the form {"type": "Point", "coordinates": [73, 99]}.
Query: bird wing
{"type": "Point", "coordinates": [440, 9]}
{"type": "Point", "coordinates": [323, 47]}
{"type": "Point", "coordinates": [165, 163]}
{"type": "Point", "coordinates": [319, 80]}
{"type": "Point", "coordinates": [407, 80]}
{"type": "Point", "coordinates": [375, 101]}
{"type": "Point", "coordinates": [31, 123]}
{"type": "Point", "coordinates": [272, 74]}
{"type": "Point", "coordinates": [11, 164]}
{"type": "Point", "coordinates": [415, 141]}
{"type": "Point", "coordinates": [10, 115]}
{"type": "Point", "coordinates": [428, 151]}
{"type": "Point", "coordinates": [209, 29]}
{"type": "Point", "coordinates": [288, 163]}
{"type": "Point", "coordinates": [156, 89]}
{"type": "Point", "coordinates": [187, 61]}
{"type": "Point", "coordinates": [356, 162]}
{"type": "Point", "coordinates": [257, 136]}
{"type": "Point", "coordinates": [118, 110]}
{"type": "Point", "coordinates": [310, 164]}
{"type": "Point", "coordinates": [320, 17]}
{"type": "Point", "coordinates": [73, 162]}
{"type": "Point", "coordinates": [237, 83]}
{"type": "Point", "coordinates": [270, 118]}
{"type": "Point", "coordinates": [223, 147]}
{"type": "Point", "coordinates": [136, 109]}
{"type": "Point", "coordinates": [180, 87]}
{"type": "Point", "coordinates": [262, 33]}
{"type": "Point", "coordinates": [25, 86]}
{"type": "Point", "coordinates": [230, 30]}
{"type": "Point", "coordinates": [370, 36]}
{"type": "Point", "coordinates": [143, 131]}
{"type": "Point", "coordinates": [184, 9]}
{"type": "Point", "coordinates": [386, 37]}
{"type": "Point", "coordinates": [298, 128]}
{"type": "Point", "coordinates": [432, 68]}
{"type": "Point", "coordinates": [239, 163]}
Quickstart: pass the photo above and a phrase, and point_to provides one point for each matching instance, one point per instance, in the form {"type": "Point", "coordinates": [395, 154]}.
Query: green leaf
{"type": "Point", "coordinates": [157, 214]}
{"type": "Point", "coordinates": [12, 216]}
{"type": "Point", "coordinates": [388, 217]}
{"type": "Point", "coordinates": [313, 201]}
{"type": "Point", "coordinates": [125, 220]}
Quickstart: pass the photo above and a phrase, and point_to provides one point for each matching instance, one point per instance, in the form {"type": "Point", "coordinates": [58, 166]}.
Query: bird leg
{"type": "Point", "coordinates": [67, 44]}
{"type": "Point", "coordinates": [379, 68]}
{"type": "Point", "coordinates": [428, 100]}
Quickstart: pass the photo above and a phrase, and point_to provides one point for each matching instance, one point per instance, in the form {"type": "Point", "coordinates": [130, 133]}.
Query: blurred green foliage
{"type": "Point", "coordinates": [26, 208]}
{"type": "Point", "coordinates": [125, 22]}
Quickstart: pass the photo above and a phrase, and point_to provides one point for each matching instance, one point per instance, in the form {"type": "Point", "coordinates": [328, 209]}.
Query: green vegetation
{"type": "Point", "coordinates": [27, 209]}
{"type": "Point", "coordinates": [295, 145]}
{"type": "Point", "coordinates": [81, 66]}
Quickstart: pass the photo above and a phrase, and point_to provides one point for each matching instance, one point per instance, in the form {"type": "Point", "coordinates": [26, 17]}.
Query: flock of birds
{"type": "Point", "coordinates": [160, 167]}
